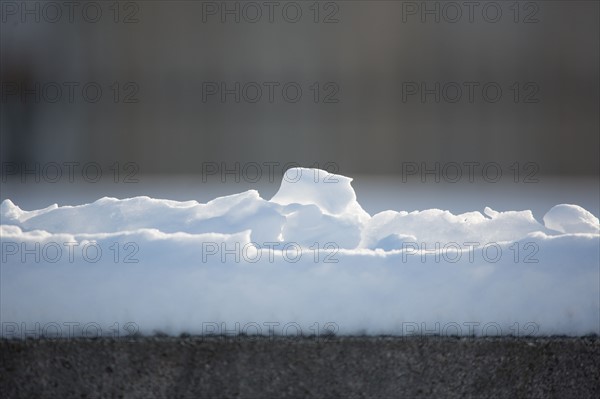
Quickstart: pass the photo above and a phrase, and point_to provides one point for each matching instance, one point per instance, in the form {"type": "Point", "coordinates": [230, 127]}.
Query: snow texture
{"type": "Point", "coordinates": [310, 258]}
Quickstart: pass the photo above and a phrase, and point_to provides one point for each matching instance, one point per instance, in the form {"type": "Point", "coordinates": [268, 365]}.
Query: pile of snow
{"type": "Point", "coordinates": [574, 219]}
{"type": "Point", "coordinates": [310, 260]}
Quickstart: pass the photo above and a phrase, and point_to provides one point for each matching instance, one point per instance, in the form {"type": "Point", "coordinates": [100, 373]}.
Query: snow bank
{"type": "Point", "coordinates": [309, 260]}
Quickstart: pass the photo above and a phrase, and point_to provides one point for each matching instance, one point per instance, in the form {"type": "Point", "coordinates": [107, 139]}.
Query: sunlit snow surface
{"type": "Point", "coordinates": [310, 257]}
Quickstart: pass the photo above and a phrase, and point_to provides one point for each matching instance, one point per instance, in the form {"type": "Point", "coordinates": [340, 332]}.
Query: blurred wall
{"type": "Point", "coordinates": [158, 64]}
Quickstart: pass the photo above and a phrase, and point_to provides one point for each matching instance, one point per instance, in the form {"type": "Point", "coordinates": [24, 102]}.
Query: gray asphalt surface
{"type": "Point", "coordinates": [282, 367]}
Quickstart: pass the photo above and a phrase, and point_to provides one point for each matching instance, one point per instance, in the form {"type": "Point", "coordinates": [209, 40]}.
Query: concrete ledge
{"type": "Point", "coordinates": [283, 367]}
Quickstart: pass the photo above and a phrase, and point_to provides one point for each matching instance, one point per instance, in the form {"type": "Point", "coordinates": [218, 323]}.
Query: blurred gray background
{"type": "Point", "coordinates": [160, 57]}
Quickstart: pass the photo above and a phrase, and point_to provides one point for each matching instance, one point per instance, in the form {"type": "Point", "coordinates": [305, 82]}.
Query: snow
{"type": "Point", "coordinates": [310, 256]}
{"type": "Point", "coordinates": [567, 218]}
